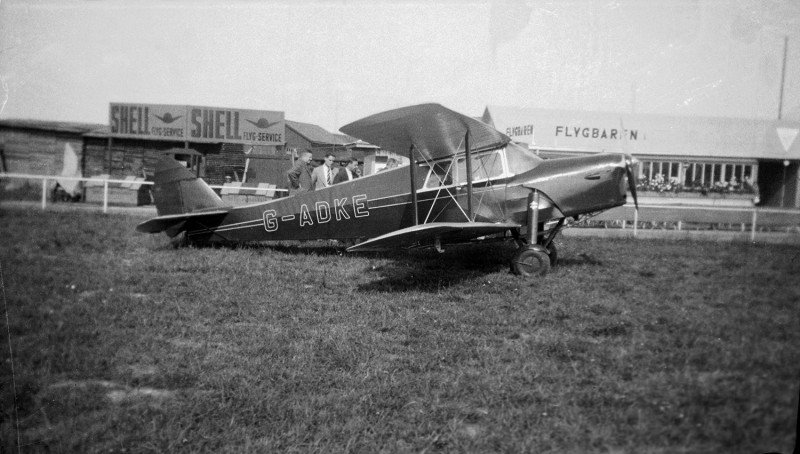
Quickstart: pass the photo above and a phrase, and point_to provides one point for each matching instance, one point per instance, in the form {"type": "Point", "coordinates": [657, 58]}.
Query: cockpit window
{"type": "Point", "coordinates": [484, 166]}
{"type": "Point", "coordinates": [440, 174]}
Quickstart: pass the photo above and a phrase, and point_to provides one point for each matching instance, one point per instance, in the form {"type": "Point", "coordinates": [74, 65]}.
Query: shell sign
{"type": "Point", "coordinates": [197, 124]}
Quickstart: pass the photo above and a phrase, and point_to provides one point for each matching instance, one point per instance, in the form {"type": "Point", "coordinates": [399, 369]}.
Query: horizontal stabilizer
{"type": "Point", "coordinates": [162, 223]}
{"type": "Point", "coordinates": [425, 235]}
{"type": "Point", "coordinates": [435, 131]}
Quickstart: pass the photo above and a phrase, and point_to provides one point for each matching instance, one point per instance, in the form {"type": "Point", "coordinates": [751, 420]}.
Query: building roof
{"type": "Point", "coordinates": [313, 133]}
{"type": "Point", "coordinates": [102, 131]}
{"type": "Point", "coordinates": [46, 125]}
{"type": "Point", "coordinates": [317, 134]}
{"type": "Point", "coordinates": [358, 143]}
{"type": "Point", "coordinates": [344, 138]}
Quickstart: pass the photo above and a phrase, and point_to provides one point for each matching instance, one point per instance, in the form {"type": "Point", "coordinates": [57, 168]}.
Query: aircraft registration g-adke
{"type": "Point", "coordinates": [466, 182]}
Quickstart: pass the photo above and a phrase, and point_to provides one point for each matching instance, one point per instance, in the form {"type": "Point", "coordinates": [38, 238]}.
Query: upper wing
{"type": "Point", "coordinates": [161, 223]}
{"type": "Point", "coordinates": [434, 130]}
{"type": "Point", "coordinates": [426, 234]}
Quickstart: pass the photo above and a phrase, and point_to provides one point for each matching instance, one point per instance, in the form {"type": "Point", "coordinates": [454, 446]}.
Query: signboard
{"type": "Point", "coordinates": [649, 134]}
{"type": "Point", "coordinates": [148, 121]}
{"type": "Point", "coordinates": [197, 124]}
{"type": "Point", "coordinates": [253, 127]}
{"type": "Point", "coordinates": [167, 122]}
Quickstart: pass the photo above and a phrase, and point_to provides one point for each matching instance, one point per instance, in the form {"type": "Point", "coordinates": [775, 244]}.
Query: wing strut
{"type": "Point", "coordinates": [412, 169]}
{"type": "Point", "coordinates": [469, 177]}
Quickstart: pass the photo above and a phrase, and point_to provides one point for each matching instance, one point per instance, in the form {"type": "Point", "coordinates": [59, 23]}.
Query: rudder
{"type": "Point", "coordinates": [177, 191]}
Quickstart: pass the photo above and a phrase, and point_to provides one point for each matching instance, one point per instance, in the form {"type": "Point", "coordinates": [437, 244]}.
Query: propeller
{"type": "Point", "coordinates": [631, 180]}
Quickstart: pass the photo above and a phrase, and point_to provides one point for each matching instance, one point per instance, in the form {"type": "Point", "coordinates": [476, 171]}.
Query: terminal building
{"type": "Point", "coordinates": [678, 156]}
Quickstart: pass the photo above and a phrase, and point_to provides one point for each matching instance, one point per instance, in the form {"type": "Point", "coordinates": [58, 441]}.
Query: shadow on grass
{"type": "Point", "coordinates": [415, 270]}
{"type": "Point", "coordinates": [430, 271]}
{"type": "Point", "coordinates": [318, 248]}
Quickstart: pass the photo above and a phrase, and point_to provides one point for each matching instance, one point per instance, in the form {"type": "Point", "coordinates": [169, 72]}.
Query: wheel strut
{"type": "Point", "coordinates": [532, 259]}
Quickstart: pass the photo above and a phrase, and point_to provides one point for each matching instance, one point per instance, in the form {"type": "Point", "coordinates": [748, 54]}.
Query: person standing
{"type": "Point", "coordinates": [348, 173]}
{"type": "Point", "coordinates": [322, 176]}
{"type": "Point", "coordinates": [300, 175]}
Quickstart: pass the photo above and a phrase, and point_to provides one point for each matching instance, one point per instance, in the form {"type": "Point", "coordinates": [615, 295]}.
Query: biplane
{"type": "Point", "coordinates": [466, 182]}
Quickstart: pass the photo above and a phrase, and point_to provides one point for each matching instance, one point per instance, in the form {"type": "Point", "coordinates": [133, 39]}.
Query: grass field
{"type": "Point", "coordinates": [121, 343]}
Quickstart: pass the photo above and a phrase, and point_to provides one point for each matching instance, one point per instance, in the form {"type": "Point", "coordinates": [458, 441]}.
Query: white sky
{"type": "Point", "coordinates": [333, 62]}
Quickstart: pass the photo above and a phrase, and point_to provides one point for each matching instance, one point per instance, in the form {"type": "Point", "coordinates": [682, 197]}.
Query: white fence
{"type": "Point", "coordinates": [228, 189]}
{"type": "Point", "coordinates": [680, 216]}
{"type": "Point", "coordinates": [754, 217]}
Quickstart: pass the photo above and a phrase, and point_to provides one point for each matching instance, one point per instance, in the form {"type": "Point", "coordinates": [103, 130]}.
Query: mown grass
{"type": "Point", "coordinates": [120, 342]}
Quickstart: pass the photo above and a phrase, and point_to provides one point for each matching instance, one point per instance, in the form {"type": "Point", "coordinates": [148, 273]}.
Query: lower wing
{"type": "Point", "coordinates": [427, 235]}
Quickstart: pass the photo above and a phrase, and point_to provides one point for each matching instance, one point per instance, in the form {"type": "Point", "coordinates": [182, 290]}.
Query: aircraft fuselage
{"type": "Point", "coordinates": [377, 204]}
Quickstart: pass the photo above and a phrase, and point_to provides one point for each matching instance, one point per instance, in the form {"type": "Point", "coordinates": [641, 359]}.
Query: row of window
{"type": "Point", "coordinates": [484, 166]}
{"type": "Point", "coordinates": [663, 176]}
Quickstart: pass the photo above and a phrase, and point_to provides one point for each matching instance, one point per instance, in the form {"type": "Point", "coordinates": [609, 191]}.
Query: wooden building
{"type": "Point", "coordinates": [37, 148]}
{"type": "Point", "coordinates": [308, 137]}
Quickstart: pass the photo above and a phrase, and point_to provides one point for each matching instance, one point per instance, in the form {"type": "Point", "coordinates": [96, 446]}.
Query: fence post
{"type": "Point", "coordinates": [44, 193]}
{"type": "Point", "coordinates": [753, 228]}
{"type": "Point", "coordinates": [635, 222]}
{"type": "Point", "coordinates": [105, 196]}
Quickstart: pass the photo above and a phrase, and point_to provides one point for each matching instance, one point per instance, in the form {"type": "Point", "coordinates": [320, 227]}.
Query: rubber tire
{"type": "Point", "coordinates": [530, 262]}
{"type": "Point", "coordinates": [553, 253]}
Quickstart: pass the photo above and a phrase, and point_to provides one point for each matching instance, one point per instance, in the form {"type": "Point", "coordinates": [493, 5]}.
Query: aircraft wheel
{"type": "Point", "coordinates": [552, 252]}
{"type": "Point", "coordinates": [530, 262]}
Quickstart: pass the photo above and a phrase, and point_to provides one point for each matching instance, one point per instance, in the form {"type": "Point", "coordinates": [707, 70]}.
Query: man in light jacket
{"type": "Point", "coordinates": [322, 176]}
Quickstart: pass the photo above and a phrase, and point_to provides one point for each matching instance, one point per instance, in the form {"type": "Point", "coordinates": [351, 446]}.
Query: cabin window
{"type": "Point", "coordinates": [484, 167]}
{"type": "Point", "coordinates": [440, 174]}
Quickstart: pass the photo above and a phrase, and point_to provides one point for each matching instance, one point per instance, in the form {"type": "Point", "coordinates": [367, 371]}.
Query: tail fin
{"type": "Point", "coordinates": [178, 191]}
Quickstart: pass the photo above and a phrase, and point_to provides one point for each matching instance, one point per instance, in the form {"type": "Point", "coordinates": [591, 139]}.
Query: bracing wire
{"type": "Point", "coordinates": [483, 166]}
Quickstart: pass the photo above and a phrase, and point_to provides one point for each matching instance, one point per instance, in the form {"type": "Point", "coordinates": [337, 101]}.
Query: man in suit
{"type": "Point", "coordinates": [322, 176]}
{"type": "Point", "coordinates": [300, 175]}
{"type": "Point", "coordinates": [348, 173]}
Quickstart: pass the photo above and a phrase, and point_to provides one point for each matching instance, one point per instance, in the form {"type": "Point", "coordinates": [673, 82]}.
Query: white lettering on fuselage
{"type": "Point", "coordinates": [305, 216]}
{"type": "Point", "coordinates": [270, 223]}
{"type": "Point", "coordinates": [338, 208]}
{"type": "Point", "coordinates": [360, 206]}
{"type": "Point", "coordinates": [322, 213]}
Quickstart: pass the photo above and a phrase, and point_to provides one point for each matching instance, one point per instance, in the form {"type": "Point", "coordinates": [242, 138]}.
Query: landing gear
{"type": "Point", "coordinates": [536, 259]}
{"type": "Point", "coordinates": [531, 261]}
{"type": "Point", "coordinates": [552, 253]}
